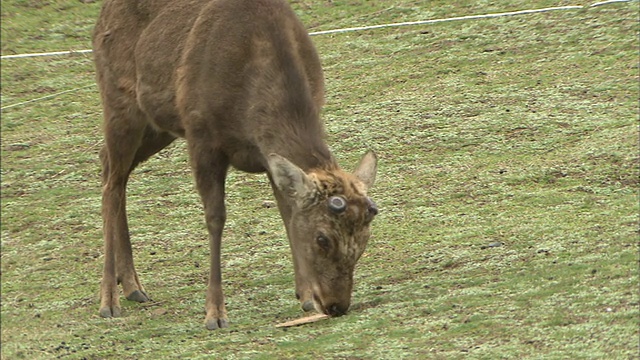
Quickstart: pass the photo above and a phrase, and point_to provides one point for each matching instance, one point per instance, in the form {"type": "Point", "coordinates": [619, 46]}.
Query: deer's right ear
{"type": "Point", "coordinates": [367, 168]}
{"type": "Point", "coordinates": [289, 178]}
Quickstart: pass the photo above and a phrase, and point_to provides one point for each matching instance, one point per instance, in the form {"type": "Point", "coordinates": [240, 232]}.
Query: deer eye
{"type": "Point", "coordinates": [323, 241]}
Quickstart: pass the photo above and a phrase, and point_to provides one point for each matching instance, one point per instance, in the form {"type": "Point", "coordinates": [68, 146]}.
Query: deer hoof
{"type": "Point", "coordinates": [138, 296]}
{"type": "Point", "coordinates": [213, 324]}
{"type": "Point", "coordinates": [308, 306]}
{"type": "Point", "coordinates": [108, 312]}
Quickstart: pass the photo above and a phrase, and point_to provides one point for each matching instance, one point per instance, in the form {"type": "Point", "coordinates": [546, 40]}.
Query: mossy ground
{"type": "Point", "coordinates": [508, 189]}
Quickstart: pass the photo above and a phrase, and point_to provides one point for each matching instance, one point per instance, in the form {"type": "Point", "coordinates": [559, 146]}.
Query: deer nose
{"type": "Point", "coordinates": [336, 309]}
{"type": "Point", "coordinates": [331, 306]}
{"type": "Point", "coordinates": [373, 208]}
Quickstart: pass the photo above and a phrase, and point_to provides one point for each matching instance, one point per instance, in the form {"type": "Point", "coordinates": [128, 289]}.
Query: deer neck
{"type": "Point", "coordinates": [303, 146]}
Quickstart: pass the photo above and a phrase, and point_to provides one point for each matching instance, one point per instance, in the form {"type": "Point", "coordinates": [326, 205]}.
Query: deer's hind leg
{"type": "Point", "coordinates": [129, 140]}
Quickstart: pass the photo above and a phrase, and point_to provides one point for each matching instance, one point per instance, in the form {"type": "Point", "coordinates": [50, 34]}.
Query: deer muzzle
{"type": "Point", "coordinates": [331, 305]}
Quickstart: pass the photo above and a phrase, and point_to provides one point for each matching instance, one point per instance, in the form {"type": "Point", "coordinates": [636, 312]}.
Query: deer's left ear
{"type": "Point", "coordinates": [367, 168]}
{"type": "Point", "coordinates": [290, 179]}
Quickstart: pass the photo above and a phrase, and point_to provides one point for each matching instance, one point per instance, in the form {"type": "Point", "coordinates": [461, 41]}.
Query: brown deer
{"type": "Point", "coordinates": [241, 81]}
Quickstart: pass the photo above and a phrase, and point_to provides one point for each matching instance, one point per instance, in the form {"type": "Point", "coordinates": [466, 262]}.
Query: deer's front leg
{"type": "Point", "coordinates": [216, 316]}
{"type": "Point", "coordinates": [303, 290]}
{"type": "Point", "coordinates": [210, 169]}
{"type": "Point", "coordinates": [215, 215]}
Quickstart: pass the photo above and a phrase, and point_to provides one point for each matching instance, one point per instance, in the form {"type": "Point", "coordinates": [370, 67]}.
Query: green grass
{"type": "Point", "coordinates": [518, 132]}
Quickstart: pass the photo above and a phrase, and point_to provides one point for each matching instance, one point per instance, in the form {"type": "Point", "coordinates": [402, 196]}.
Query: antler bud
{"type": "Point", "coordinates": [337, 204]}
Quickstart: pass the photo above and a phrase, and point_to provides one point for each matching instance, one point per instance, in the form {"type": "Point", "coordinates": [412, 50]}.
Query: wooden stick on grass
{"type": "Point", "coordinates": [303, 320]}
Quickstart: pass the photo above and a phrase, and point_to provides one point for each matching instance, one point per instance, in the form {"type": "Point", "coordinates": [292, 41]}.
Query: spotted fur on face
{"type": "Point", "coordinates": [351, 225]}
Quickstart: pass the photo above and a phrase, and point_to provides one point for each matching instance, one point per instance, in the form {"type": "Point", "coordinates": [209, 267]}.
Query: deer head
{"type": "Point", "coordinates": [328, 227]}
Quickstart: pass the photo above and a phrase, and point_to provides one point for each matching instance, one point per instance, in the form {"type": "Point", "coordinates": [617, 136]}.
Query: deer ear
{"type": "Point", "coordinates": [366, 170]}
{"type": "Point", "coordinates": [289, 178]}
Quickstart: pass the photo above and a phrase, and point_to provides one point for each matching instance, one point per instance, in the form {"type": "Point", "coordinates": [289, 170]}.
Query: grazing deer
{"type": "Point", "coordinates": [241, 81]}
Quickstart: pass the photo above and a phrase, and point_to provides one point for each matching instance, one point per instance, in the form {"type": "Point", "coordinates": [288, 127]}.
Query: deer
{"type": "Point", "coordinates": [241, 82]}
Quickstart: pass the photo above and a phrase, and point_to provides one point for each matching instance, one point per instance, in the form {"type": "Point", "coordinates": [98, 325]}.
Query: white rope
{"type": "Point", "coordinates": [608, 2]}
{"type": "Point", "coordinates": [71, 52]}
{"type": "Point", "coordinates": [360, 28]}
{"type": "Point", "coordinates": [433, 21]}
{"type": "Point", "coordinates": [45, 97]}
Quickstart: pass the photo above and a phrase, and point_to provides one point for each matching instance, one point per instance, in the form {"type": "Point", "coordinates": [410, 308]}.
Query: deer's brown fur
{"type": "Point", "coordinates": [241, 81]}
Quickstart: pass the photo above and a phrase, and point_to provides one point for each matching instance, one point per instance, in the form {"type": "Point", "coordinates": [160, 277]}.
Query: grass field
{"type": "Point", "coordinates": [507, 183]}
